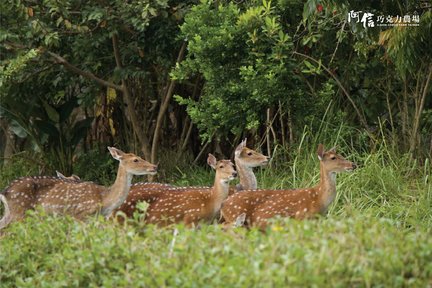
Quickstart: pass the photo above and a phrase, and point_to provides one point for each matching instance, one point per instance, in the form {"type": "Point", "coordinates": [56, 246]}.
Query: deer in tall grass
{"type": "Point", "coordinates": [258, 206]}
{"type": "Point", "coordinates": [72, 197]}
{"type": "Point", "coordinates": [245, 160]}
{"type": "Point", "coordinates": [189, 204]}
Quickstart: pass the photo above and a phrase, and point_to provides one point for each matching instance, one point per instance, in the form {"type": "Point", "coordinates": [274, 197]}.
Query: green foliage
{"type": "Point", "coordinates": [243, 56]}
{"type": "Point", "coordinates": [376, 234]}
{"type": "Point", "coordinates": [409, 48]}
{"type": "Point", "coordinates": [22, 164]}
{"type": "Point", "coordinates": [53, 130]}
{"type": "Point", "coordinates": [96, 165]}
{"type": "Point", "coordinates": [15, 66]}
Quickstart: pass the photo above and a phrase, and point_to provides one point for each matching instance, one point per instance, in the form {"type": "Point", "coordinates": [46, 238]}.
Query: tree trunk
{"type": "Point", "coordinates": [9, 144]}
{"type": "Point", "coordinates": [414, 141]}
{"type": "Point", "coordinates": [163, 108]}
{"type": "Point", "coordinates": [141, 135]}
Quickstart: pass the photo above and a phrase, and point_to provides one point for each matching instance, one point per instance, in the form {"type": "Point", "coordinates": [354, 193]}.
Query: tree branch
{"type": "Point", "coordinates": [142, 136]}
{"type": "Point", "coordinates": [419, 110]}
{"type": "Point", "coordinates": [359, 114]}
{"type": "Point", "coordinates": [60, 60]}
{"type": "Point", "coordinates": [164, 107]}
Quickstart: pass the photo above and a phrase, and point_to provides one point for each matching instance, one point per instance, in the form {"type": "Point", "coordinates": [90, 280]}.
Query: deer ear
{"type": "Point", "coordinates": [116, 153]}
{"type": "Point", "coordinates": [320, 152]}
{"type": "Point", "coordinates": [75, 177]}
{"type": "Point", "coordinates": [240, 147]}
{"type": "Point", "coordinates": [333, 150]}
{"type": "Point", "coordinates": [211, 160]}
{"type": "Point", "coordinates": [60, 175]}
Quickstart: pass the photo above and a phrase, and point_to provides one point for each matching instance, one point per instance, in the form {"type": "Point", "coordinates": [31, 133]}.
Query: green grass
{"type": "Point", "coordinates": [378, 233]}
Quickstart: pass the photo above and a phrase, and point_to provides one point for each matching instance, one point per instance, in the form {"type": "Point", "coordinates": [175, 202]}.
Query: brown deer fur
{"type": "Point", "coordinates": [245, 160]}
{"type": "Point", "coordinates": [260, 205]}
{"type": "Point", "coordinates": [76, 198]}
{"type": "Point", "coordinates": [192, 204]}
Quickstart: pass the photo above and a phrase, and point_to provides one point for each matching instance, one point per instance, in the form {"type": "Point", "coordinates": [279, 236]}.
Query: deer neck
{"type": "Point", "coordinates": [219, 193]}
{"type": "Point", "coordinates": [118, 192]}
{"type": "Point", "coordinates": [247, 177]}
{"type": "Point", "coordinates": [326, 188]}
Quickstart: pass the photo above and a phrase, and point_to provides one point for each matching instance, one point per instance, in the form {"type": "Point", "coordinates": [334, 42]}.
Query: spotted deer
{"type": "Point", "coordinates": [257, 206]}
{"type": "Point", "coordinates": [192, 204]}
{"type": "Point", "coordinates": [245, 160]}
{"type": "Point", "coordinates": [76, 198]}
{"type": "Point", "coordinates": [147, 185]}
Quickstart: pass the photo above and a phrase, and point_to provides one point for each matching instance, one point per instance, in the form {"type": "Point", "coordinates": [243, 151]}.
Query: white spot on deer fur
{"type": "Point", "coordinates": [305, 210]}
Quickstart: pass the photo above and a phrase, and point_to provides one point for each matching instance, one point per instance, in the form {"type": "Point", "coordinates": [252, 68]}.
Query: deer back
{"type": "Point", "coordinates": [150, 194]}
{"type": "Point", "coordinates": [53, 194]}
{"type": "Point", "coordinates": [190, 206]}
{"type": "Point", "coordinates": [261, 205]}
{"type": "Point", "coordinates": [78, 199]}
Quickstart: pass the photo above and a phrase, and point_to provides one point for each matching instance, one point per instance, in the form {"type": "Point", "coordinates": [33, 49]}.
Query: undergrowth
{"type": "Point", "coordinates": [377, 233]}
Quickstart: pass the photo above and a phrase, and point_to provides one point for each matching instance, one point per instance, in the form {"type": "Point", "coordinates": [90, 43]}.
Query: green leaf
{"type": "Point", "coordinates": [51, 112]}
{"type": "Point", "coordinates": [48, 128]}
{"type": "Point", "coordinates": [66, 109]}
{"type": "Point", "coordinates": [79, 131]}
{"type": "Point", "coordinates": [17, 129]}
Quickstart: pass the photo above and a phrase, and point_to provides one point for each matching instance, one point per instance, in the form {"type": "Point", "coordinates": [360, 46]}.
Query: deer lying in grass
{"type": "Point", "coordinates": [189, 204]}
{"type": "Point", "coordinates": [245, 160]}
{"type": "Point", "coordinates": [76, 198]}
{"type": "Point", "coordinates": [257, 206]}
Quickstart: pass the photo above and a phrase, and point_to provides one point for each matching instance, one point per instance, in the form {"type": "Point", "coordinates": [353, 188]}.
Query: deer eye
{"type": "Point", "coordinates": [333, 158]}
{"type": "Point", "coordinates": [250, 153]}
{"type": "Point", "coordinates": [135, 160]}
{"type": "Point", "coordinates": [221, 166]}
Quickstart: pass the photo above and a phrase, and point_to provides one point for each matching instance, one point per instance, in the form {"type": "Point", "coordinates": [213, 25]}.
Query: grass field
{"type": "Point", "coordinates": [378, 233]}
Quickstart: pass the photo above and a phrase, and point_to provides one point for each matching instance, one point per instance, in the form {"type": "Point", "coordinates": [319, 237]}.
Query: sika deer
{"type": "Point", "coordinates": [65, 196]}
{"type": "Point", "coordinates": [261, 205]}
{"type": "Point", "coordinates": [245, 160]}
{"type": "Point", "coordinates": [192, 204]}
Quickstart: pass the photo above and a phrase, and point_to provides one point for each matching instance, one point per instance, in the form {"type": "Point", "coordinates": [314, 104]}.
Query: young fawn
{"type": "Point", "coordinates": [76, 198]}
{"type": "Point", "coordinates": [260, 205]}
{"type": "Point", "coordinates": [189, 204]}
{"type": "Point", "coordinates": [245, 160]}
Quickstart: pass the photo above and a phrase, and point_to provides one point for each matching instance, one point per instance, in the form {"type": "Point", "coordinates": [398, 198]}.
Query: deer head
{"type": "Point", "coordinates": [333, 162]}
{"type": "Point", "coordinates": [248, 157]}
{"type": "Point", "coordinates": [224, 169]}
{"type": "Point", "coordinates": [132, 163]}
